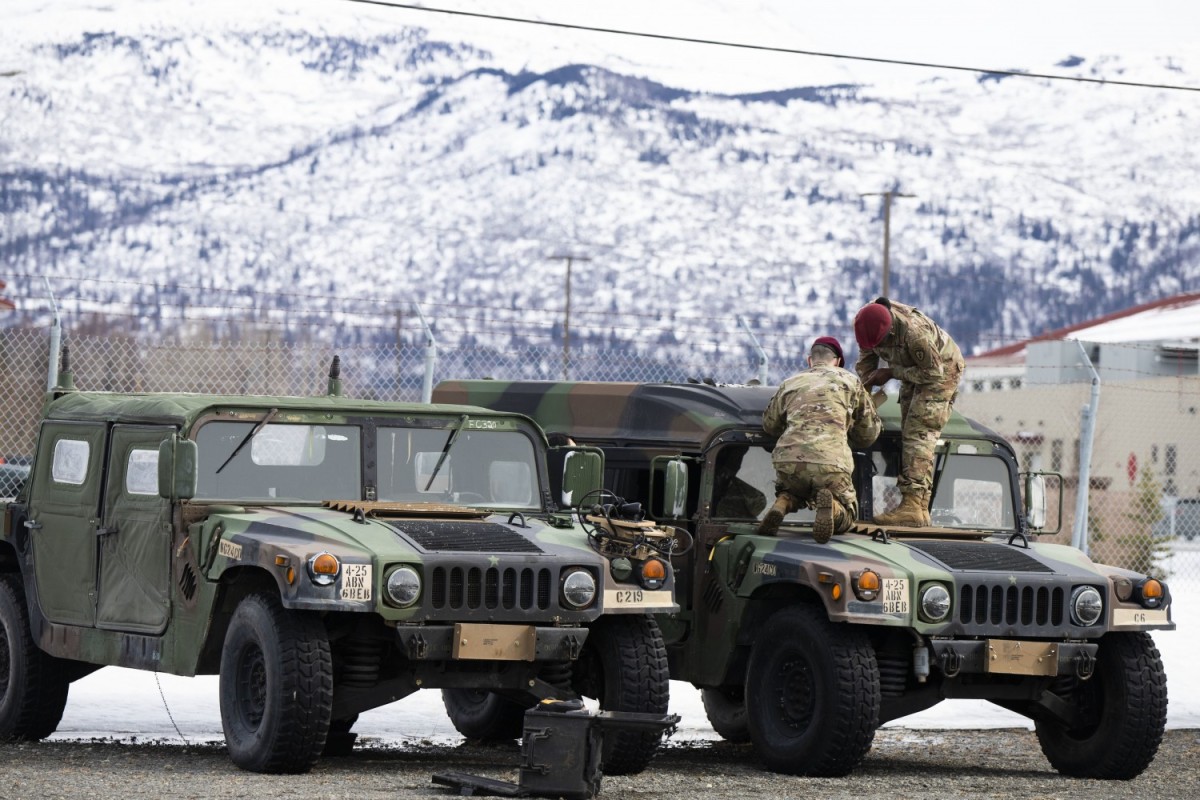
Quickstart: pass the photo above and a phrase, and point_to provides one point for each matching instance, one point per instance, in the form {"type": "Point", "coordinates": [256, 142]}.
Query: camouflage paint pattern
{"type": "Point", "coordinates": [218, 546]}
{"type": "Point", "coordinates": [734, 578]}
{"type": "Point", "coordinates": [929, 366]}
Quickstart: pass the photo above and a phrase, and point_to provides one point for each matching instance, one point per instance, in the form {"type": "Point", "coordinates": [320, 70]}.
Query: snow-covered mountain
{"type": "Point", "coordinates": [330, 172]}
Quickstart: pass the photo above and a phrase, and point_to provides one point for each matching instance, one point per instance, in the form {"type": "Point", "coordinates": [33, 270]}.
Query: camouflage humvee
{"type": "Point", "coordinates": [805, 649]}
{"type": "Point", "coordinates": [325, 556]}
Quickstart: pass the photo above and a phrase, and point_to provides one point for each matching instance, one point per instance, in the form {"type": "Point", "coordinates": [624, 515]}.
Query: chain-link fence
{"type": "Point", "coordinates": [1144, 511]}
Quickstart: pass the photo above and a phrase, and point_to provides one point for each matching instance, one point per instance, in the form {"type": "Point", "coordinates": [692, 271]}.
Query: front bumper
{"type": "Point", "coordinates": [1014, 657]}
{"type": "Point", "coordinates": [480, 642]}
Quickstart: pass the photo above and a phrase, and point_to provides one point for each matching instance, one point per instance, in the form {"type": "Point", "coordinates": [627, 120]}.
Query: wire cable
{"type": "Point", "coordinates": [773, 49]}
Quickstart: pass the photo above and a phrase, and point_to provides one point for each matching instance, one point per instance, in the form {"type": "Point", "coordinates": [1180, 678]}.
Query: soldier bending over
{"type": "Point", "coordinates": [928, 365]}
{"type": "Point", "coordinates": [818, 415]}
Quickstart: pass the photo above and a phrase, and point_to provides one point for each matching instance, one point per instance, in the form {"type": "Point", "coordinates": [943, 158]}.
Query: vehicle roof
{"type": "Point", "coordinates": [181, 408]}
{"type": "Point", "coordinates": [678, 413]}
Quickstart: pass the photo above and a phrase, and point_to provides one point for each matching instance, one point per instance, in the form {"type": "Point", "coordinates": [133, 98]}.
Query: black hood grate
{"type": "Point", "coordinates": [464, 537]}
{"type": "Point", "coordinates": [980, 556]}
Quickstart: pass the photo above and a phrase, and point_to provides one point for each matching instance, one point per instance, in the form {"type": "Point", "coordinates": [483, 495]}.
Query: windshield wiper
{"type": "Point", "coordinates": [462, 423]}
{"type": "Point", "coordinates": [262, 423]}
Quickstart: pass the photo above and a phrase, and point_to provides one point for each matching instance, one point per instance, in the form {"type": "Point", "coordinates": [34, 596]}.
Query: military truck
{"type": "Point", "coordinates": [324, 556]}
{"type": "Point", "coordinates": [805, 649]}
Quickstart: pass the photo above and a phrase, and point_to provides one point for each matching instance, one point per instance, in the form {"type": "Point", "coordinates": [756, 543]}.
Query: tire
{"type": "Point", "coordinates": [624, 666]}
{"type": "Point", "coordinates": [812, 694]}
{"type": "Point", "coordinates": [1123, 713]}
{"type": "Point", "coordinates": [276, 687]}
{"type": "Point", "coordinates": [480, 714]}
{"type": "Point", "coordinates": [33, 684]}
{"type": "Point", "coordinates": [726, 710]}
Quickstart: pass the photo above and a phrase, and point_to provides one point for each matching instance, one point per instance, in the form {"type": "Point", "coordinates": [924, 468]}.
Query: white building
{"type": "Point", "coordinates": [1148, 362]}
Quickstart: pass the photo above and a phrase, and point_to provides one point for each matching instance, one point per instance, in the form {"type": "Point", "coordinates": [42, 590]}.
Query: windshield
{"type": "Point", "coordinates": [487, 468]}
{"type": "Point", "coordinates": [304, 462]}
{"type": "Point", "coordinates": [973, 491]}
{"type": "Point", "coordinates": [283, 460]}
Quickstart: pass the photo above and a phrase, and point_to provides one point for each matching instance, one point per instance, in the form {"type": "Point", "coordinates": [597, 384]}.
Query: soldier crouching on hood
{"type": "Point", "coordinates": [817, 415]}
{"type": "Point", "coordinates": [928, 365]}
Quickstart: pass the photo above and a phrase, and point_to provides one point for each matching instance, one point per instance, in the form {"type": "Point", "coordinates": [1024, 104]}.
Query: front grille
{"type": "Point", "coordinates": [1002, 605]}
{"type": "Point", "coordinates": [475, 588]}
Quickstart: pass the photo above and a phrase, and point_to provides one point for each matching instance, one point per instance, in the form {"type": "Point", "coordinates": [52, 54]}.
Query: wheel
{"type": "Point", "coordinates": [1122, 713]}
{"type": "Point", "coordinates": [624, 667]}
{"type": "Point", "coordinates": [812, 694]}
{"type": "Point", "coordinates": [480, 714]}
{"type": "Point", "coordinates": [340, 741]}
{"type": "Point", "coordinates": [276, 687]}
{"type": "Point", "coordinates": [33, 684]}
{"type": "Point", "coordinates": [726, 710]}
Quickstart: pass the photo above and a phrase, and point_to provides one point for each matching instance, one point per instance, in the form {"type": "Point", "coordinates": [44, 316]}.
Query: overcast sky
{"type": "Point", "coordinates": [1023, 34]}
{"type": "Point", "coordinates": [1018, 34]}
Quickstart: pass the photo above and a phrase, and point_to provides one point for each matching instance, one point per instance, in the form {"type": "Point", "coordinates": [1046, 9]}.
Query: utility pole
{"type": "Point", "coordinates": [566, 356]}
{"type": "Point", "coordinates": [887, 229]}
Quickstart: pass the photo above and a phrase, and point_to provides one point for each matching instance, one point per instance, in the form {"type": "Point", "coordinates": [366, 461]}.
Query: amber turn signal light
{"type": "Point", "coordinates": [867, 584]}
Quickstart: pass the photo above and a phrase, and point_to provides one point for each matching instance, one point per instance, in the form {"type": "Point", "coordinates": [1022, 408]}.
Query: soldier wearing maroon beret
{"type": "Point", "coordinates": [928, 365]}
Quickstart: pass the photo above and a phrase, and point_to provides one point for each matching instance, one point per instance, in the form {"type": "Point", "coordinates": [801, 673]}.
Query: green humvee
{"type": "Point", "coordinates": [325, 556]}
{"type": "Point", "coordinates": [805, 649]}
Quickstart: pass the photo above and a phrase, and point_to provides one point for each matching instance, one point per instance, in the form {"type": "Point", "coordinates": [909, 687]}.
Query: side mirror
{"type": "Point", "coordinates": [675, 489]}
{"type": "Point", "coordinates": [1035, 501]}
{"type": "Point", "coordinates": [177, 463]}
{"type": "Point", "coordinates": [583, 473]}
{"type": "Point", "coordinates": [1038, 496]}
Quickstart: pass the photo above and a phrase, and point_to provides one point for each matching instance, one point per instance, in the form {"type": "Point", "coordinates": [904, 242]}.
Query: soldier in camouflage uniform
{"type": "Point", "coordinates": [817, 416]}
{"type": "Point", "coordinates": [928, 365]}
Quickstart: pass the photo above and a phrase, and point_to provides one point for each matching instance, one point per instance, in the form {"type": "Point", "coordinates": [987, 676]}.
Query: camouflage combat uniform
{"type": "Point", "coordinates": [928, 365]}
{"type": "Point", "coordinates": [818, 415]}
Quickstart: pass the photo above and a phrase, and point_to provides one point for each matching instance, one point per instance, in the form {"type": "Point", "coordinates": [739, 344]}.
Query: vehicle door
{"type": "Point", "coordinates": [135, 534]}
{"type": "Point", "coordinates": [63, 516]}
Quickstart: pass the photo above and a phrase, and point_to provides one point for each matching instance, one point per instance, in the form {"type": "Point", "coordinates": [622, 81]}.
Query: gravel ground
{"type": "Point", "coordinates": [902, 764]}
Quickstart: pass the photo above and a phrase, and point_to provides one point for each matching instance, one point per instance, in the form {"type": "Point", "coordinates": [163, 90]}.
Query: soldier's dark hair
{"type": "Point", "coordinates": [883, 301]}
{"type": "Point", "coordinates": [823, 353]}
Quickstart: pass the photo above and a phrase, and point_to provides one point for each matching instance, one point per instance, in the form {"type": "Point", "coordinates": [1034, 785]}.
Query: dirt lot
{"type": "Point", "coordinates": [902, 764]}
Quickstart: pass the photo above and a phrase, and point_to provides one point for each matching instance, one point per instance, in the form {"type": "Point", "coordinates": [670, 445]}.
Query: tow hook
{"type": "Point", "coordinates": [418, 648]}
{"type": "Point", "coordinates": [1085, 665]}
{"type": "Point", "coordinates": [573, 645]}
{"type": "Point", "coordinates": [951, 663]}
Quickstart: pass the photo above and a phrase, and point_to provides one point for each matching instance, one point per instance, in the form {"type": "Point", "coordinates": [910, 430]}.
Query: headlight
{"type": "Point", "coordinates": [653, 574]}
{"type": "Point", "coordinates": [935, 602]}
{"type": "Point", "coordinates": [866, 585]}
{"type": "Point", "coordinates": [579, 588]}
{"type": "Point", "coordinates": [1151, 593]}
{"type": "Point", "coordinates": [323, 568]}
{"type": "Point", "coordinates": [1086, 605]}
{"type": "Point", "coordinates": [404, 586]}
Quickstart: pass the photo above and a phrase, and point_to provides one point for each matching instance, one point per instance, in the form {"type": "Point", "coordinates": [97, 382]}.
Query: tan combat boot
{"type": "Point", "coordinates": [770, 523]}
{"type": "Point", "coordinates": [913, 512]}
{"type": "Point", "coordinates": [829, 513]}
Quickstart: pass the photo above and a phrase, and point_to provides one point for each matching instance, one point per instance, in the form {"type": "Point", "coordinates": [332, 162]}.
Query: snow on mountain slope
{"type": "Point", "coordinates": [308, 158]}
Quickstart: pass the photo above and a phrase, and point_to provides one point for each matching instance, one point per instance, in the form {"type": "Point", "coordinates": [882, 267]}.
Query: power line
{"type": "Point", "coordinates": [773, 49]}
